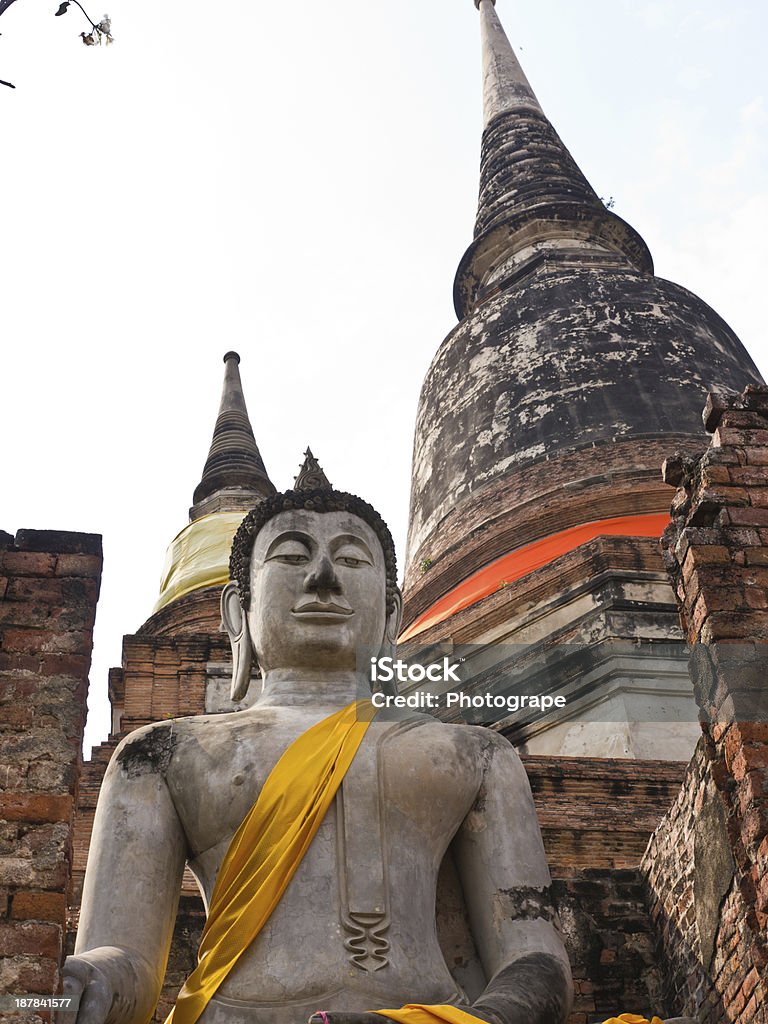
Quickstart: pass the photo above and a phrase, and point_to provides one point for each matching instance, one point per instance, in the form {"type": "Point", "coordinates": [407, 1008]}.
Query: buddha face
{"type": "Point", "coordinates": [318, 591]}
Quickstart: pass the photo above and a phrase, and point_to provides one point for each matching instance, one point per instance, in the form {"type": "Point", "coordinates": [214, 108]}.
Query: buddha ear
{"type": "Point", "coordinates": [392, 628]}
{"type": "Point", "coordinates": [235, 622]}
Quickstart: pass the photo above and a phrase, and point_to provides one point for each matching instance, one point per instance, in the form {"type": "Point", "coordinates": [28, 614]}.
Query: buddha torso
{"type": "Point", "coordinates": [342, 936]}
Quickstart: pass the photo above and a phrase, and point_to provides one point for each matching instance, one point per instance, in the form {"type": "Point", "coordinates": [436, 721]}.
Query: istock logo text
{"type": "Point", "coordinates": [384, 670]}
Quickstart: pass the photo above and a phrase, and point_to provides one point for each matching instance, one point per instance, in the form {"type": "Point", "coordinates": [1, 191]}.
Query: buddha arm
{"type": "Point", "coordinates": [503, 870]}
{"type": "Point", "coordinates": [131, 891]}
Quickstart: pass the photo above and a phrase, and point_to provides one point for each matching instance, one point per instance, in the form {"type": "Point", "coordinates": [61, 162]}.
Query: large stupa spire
{"type": "Point", "coordinates": [505, 86]}
{"type": "Point", "coordinates": [532, 191]}
{"type": "Point", "coordinates": [536, 501]}
{"type": "Point", "coordinates": [234, 466]}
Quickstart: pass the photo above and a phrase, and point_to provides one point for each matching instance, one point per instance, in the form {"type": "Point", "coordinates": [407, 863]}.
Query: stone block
{"type": "Point", "coordinates": [25, 938]}
{"type": "Point", "coordinates": [79, 565]}
{"type": "Point", "coordinates": [734, 436]}
{"type": "Point", "coordinates": [33, 975]}
{"type": "Point", "coordinates": [60, 541]}
{"type": "Point", "coordinates": [70, 665]}
{"type": "Point", "coordinates": [40, 906]}
{"type": "Point", "coordinates": [35, 807]}
{"type": "Point", "coordinates": [746, 516]}
{"type": "Point", "coordinates": [17, 716]}
{"type": "Point", "coordinates": [743, 419]}
{"type": "Point", "coordinates": [27, 563]}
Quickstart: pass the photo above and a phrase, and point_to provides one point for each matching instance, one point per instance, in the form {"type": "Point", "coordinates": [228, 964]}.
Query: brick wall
{"type": "Point", "coordinates": [610, 942]}
{"type": "Point", "coordinates": [49, 585]}
{"type": "Point", "coordinates": [707, 864]}
{"type": "Point", "coordinates": [599, 812]}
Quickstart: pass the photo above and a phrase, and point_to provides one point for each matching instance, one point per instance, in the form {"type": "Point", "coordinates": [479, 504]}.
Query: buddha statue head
{"type": "Point", "coordinates": [314, 585]}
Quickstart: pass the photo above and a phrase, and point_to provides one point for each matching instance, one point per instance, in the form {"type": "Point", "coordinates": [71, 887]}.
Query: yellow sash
{"type": "Point", "coordinates": [418, 1013]}
{"type": "Point", "coordinates": [632, 1018]}
{"type": "Point", "coordinates": [268, 847]}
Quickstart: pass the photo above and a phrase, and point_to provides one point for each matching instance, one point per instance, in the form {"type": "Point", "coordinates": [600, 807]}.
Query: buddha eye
{"type": "Point", "coordinates": [352, 557]}
{"type": "Point", "coordinates": [289, 552]}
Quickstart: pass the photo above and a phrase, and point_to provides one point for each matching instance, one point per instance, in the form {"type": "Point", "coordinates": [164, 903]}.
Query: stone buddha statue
{"type": "Point", "coordinates": [314, 584]}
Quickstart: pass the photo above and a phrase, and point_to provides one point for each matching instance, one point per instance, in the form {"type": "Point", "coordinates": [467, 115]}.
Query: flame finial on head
{"type": "Point", "coordinates": [311, 475]}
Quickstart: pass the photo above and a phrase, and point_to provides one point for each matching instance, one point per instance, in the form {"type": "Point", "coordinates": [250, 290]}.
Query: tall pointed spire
{"type": "Point", "coordinates": [532, 191]}
{"type": "Point", "coordinates": [505, 86]}
{"type": "Point", "coordinates": [234, 468]}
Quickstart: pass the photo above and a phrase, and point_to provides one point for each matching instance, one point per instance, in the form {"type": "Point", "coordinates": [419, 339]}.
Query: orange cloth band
{"type": "Point", "coordinates": [525, 560]}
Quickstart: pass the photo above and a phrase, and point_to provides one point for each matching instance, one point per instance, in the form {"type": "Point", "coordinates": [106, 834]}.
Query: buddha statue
{"type": "Point", "coordinates": [353, 928]}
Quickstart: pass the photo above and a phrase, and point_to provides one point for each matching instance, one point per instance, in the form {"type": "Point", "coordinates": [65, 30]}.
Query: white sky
{"type": "Point", "coordinates": [298, 182]}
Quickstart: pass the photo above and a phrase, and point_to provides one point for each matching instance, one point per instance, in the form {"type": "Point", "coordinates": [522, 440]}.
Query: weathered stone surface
{"type": "Point", "coordinates": [541, 370]}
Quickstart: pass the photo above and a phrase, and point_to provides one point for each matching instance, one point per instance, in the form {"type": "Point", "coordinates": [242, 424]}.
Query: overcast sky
{"type": "Point", "coordinates": [297, 181]}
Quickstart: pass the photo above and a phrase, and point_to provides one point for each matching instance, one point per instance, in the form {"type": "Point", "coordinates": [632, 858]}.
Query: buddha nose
{"type": "Point", "coordinates": [323, 577]}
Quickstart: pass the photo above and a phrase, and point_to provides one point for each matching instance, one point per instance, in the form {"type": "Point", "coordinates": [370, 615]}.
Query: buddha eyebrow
{"type": "Point", "coordinates": [300, 538]}
{"type": "Point", "coordinates": [350, 538]}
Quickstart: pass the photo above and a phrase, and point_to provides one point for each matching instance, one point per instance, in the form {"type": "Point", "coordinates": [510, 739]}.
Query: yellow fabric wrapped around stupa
{"type": "Point", "coordinates": [198, 556]}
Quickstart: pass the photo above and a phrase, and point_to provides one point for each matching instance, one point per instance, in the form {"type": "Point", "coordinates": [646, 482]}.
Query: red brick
{"type": "Point", "coordinates": [752, 788]}
{"type": "Point", "coordinates": [721, 495]}
{"type": "Point", "coordinates": [28, 614]}
{"type": "Point", "coordinates": [40, 906]}
{"type": "Point", "coordinates": [35, 807]}
{"type": "Point", "coordinates": [703, 554]}
{"type": "Point", "coordinates": [750, 1011]}
{"type": "Point", "coordinates": [79, 565]}
{"type": "Point", "coordinates": [725, 436]}
{"type": "Point", "coordinates": [752, 732]}
{"type": "Point", "coordinates": [47, 590]}
{"type": "Point", "coordinates": [743, 536]}
{"type": "Point", "coordinates": [743, 419]}
{"type": "Point", "coordinates": [76, 665]}
{"type": "Point", "coordinates": [46, 641]}
{"type": "Point", "coordinates": [27, 563]}
{"type": "Point", "coordinates": [17, 716]}
{"type": "Point", "coordinates": [717, 474]}
{"type": "Point", "coordinates": [755, 756]}
{"type": "Point", "coordinates": [756, 597]}
{"type": "Point", "coordinates": [734, 625]}
{"type": "Point", "coordinates": [24, 641]}
{"type": "Point", "coordinates": [23, 937]}
{"type": "Point", "coordinates": [18, 663]}
{"type": "Point", "coordinates": [747, 476]}
{"type": "Point", "coordinates": [746, 516]}
{"type": "Point", "coordinates": [754, 825]}
{"type": "Point", "coordinates": [750, 982]}
{"type": "Point", "coordinates": [39, 977]}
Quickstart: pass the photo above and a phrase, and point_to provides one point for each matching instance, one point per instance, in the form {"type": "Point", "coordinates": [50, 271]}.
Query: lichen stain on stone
{"type": "Point", "coordinates": [524, 903]}
{"type": "Point", "coordinates": [148, 753]}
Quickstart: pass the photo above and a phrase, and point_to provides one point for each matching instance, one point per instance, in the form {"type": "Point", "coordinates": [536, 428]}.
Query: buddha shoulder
{"type": "Point", "coordinates": [157, 748]}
